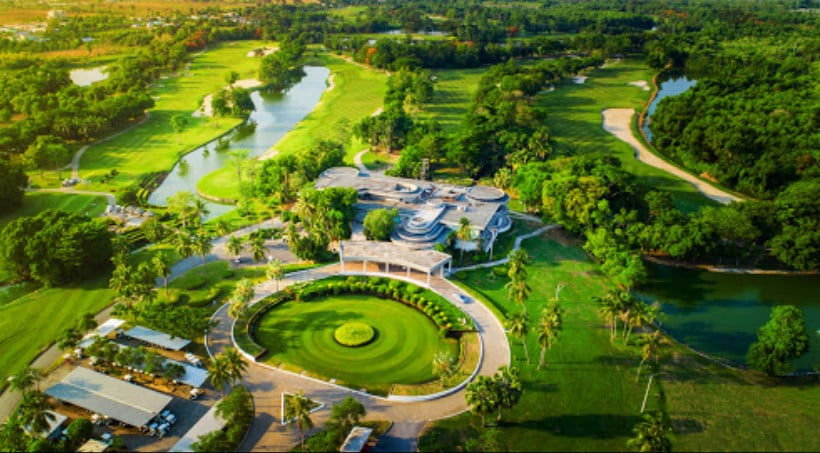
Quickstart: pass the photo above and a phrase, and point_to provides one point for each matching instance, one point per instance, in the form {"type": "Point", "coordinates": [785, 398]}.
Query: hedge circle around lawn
{"type": "Point", "coordinates": [354, 334]}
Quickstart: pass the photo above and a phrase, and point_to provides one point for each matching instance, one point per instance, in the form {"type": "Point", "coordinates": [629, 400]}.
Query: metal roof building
{"type": "Point", "coordinates": [109, 396]}
{"type": "Point", "coordinates": [208, 423]}
{"type": "Point", "coordinates": [156, 338]}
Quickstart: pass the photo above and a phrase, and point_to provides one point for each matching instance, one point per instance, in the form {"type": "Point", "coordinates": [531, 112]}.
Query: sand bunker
{"type": "Point", "coordinates": [642, 84]}
{"type": "Point", "coordinates": [579, 79]}
{"type": "Point", "coordinates": [207, 110]}
{"type": "Point", "coordinates": [617, 122]}
{"type": "Point", "coordinates": [263, 52]}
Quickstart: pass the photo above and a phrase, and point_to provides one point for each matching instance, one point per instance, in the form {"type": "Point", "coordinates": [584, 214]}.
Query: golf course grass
{"type": "Point", "coordinates": [586, 397]}
{"type": "Point", "coordinates": [453, 92]}
{"type": "Point", "coordinates": [301, 336]}
{"type": "Point", "coordinates": [37, 202]}
{"type": "Point", "coordinates": [154, 145]}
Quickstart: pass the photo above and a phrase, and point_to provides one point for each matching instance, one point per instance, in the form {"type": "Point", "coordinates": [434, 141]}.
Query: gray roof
{"type": "Point", "coordinates": [109, 396]}
{"type": "Point", "coordinates": [208, 423]}
{"type": "Point", "coordinates": [357, 439]}
{"type": "Point", "coordinates": [160, 339]}
{"type": "Point", "coordinates": [426, 260]}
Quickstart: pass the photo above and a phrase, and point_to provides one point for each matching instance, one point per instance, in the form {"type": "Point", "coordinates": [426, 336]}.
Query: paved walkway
{"type": "Point", "coordinates": [617, 122]}
{"type": "Point", "coordinates": [409, 418]}
{"type": "Point", "coordinates": [516, 246]}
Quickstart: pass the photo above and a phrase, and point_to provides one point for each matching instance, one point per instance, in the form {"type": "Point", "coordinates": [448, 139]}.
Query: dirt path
{"type": "Point", "coordinates": [617, 122]}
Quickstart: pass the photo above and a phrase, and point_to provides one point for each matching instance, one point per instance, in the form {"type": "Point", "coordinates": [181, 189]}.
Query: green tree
{"type": "Point", "coordinates": [181, 204]}
{"type": "Point", "coordinates": [482, 397]}
{"type": "Point", "coordinates": [781, 339]}
{"type": "Point", "coordinates": [34, 412]}
{"type": "Point", "coordinates": [519, 291]}
{"type": "Point", "coordinates": [275, 272]}
{"type": "Point", "coordinates": [297, 411]}
{"type": "Point", "coordinates": [444, 365]}
{"type": "Point", "coordinates": [549, 328]}
{"type": "Point", "coordinates": [345, 415]}
{"type": "Point", "coordinates": [508, 383]}
{"type": "Point", "coordinates": [213, 441]}
{"type": "Point", "coordinates": [235, 363]}
{"type": "Point", "coordinates": [49, 152]}
{"type": "Point", "coordinates": [379, 224]}
{"type": "Point", "coordinates": [651, 345]}
{"type": "Point", "coordinates": [219, 373]}
{"type": "Point", "coordinates": [235, 246]}
{"type": "Point", "coordinates": [651, 434]}
{"type": "Point", "coordinates": [464, 234]}
{"type": "Point", "coordinates": [517, 264]}
{"type": "Point", "coordinates": [202, 246]}
{"type": "Point", "coordinates": [12, 182]}
{"type": "Point", "coordinates": [257, 243]}
{"type": "Point", "coordinates": [70, 338]}
{"type": "Point", "coordinates": [242, 295]}
{"type": "Point", "coordinates": [519, 326]}
{"type": "Point", "coordinates": [162, 268]}
{"type": "Point", "coordinates": [179, 122]}
{"type": "Point", "coordinates": [25, 379]}
{"type": "Point", "coordinates": [79, 431]}
{"type": "Point", "coordinates": [12, 435]}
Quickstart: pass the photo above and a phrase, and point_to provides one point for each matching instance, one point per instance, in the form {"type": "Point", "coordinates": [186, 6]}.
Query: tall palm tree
{"type": "Point", "coordinates": [509, 388]}
{"type": "Point", "coordinates": [651, 345]}
{"type": "Point", "coordinates": [275, 272]}
{"type": "Point", "coordinates": [34, 412]}
{"type": "Point", "coordinates": [162, 268]}
{"type": "Point", "coordinates": [519, 326]}
{"type": "Point", "coordinates": [609, 311]}
{"type": "Point", "coordinates": [183, 244]}
{"type": "Point", "coordinates": [236, 365]}
{"type": "Point", "coordinates": [87, 322]}
{"type": "Point", "coordinates": [257, 243]}
{"type": "Point", "coordinates": [219, 373]}
{"type": "Point", "coordinates": [199, 209]}
{"type": "Point", "coordinates": [651, 434]}
{"type": "Point", "coordinates": [297, 410]}
{"type": "Point", "coordinates": [517, 264]}
{"type": "Point", "coordinates": [202, 246]}
{"type": "Point", "coordinates": [464, 233]}
{"type": "Point", "coordinates": [519, 292]}
{"type": "Point", "coordinates": [241, 297]}
{"type": "Point", "coordinates": [235, 245]}
{"type": "Point", "coordinates": [26, 378]}
{"type": "Point", "coordinates": [482, 396]}
{"type": "Point", "coordinates": [549, 327]}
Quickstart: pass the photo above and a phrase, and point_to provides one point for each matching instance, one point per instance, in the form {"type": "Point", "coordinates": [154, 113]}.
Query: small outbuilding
{"type": "Point", "coordinates": [160, 339]}
{"type": "Point", "coordinates": [357, 439]}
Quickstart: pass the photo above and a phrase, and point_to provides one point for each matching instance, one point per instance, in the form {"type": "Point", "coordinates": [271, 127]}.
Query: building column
{"type": "Point", "coordinates": [442, 271]}
{"type": "Point", "coordinates": [364, 265]}
{"type": "Point", "coordinates": [386, 267]}
{"type": "Point", "coordinates": [428, 278]}
{"type": "Point", "coordinates": [450, 265]}
{"type": "Point", "coordinates": [408, 271]}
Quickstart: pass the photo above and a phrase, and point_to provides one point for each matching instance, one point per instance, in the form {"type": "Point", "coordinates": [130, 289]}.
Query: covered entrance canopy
{"type": "Point", "coordinates": [425, 261]}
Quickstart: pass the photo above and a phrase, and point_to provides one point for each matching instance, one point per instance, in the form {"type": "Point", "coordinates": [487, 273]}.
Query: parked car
{"type": "Point", "coordinates": [195, 392]}
{"type": "Point", "coordinates": [464, 299]}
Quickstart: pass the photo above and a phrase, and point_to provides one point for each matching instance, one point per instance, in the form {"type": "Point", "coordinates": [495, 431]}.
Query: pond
{"type": "Point", "coordinates": [668, 85]}
{"type": "Point", "coordinates": [720, 313]}
{"type": "Point", "coordinates": [275, 115]}
{"type": "Point", "coordinates": [85, 77]}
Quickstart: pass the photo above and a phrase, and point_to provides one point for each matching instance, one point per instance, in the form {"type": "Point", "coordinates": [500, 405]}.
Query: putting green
{"type": "Point", "coordinates": [301, 334]}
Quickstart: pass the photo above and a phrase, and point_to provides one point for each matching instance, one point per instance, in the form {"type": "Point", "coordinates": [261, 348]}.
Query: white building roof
{"type": "Point", "coordinates": [160, 339]}
{"type": "Point", "coordinates": [386, 252]}
{"type": "Point", "coordinates": [208, 423]}
{"type": "Point", "coordinates": [109, 396]}
{"type": "Point", "coordinates": [357, 439]}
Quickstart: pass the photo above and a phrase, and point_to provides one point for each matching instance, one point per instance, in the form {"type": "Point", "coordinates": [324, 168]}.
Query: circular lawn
{"type": "Point", "coordinates": [401, 351]}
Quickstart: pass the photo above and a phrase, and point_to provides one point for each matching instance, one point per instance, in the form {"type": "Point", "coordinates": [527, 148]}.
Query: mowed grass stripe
{"type": "Point", "coordinates": [36, 202]}
{"type": "Point", "coordinates": [154, 146]}
{"type": "Point", "coordinates": [301, 334]}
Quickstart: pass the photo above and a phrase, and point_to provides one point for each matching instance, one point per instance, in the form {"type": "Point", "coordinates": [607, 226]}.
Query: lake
{"type": "Point", "coordinates": [669, 85]}
{"type": "Point", "coordinates": [720, 313]}
{"type": "Point", "coordinates": [275, 115]}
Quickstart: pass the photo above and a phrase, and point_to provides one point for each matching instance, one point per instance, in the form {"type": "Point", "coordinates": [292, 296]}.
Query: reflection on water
{"type": "Point", "coordinates": [719, 313]}
{"type": "Point", "coordinates": [673, 85]}
{"type": "Point", "coordinates": [276, 114]}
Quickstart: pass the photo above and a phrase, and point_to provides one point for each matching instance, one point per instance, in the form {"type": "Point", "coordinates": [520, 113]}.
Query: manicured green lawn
{"type": "Point", "coordinates": [300, 334]}
{"type": "Point", "coordinates": [36, 202]}
{"type": "Point", "coordinates": [34, 321]}
{"type": "Point", "coordinates": [452, 94]}
{"type": "Point", "coordinates": [587, 398]}
{"type": "Point", "coordinates": [357, 93]}
{"type": "Point", "coordinates": [574, 119]}
{"type": "Point", "coordinates": [154, 146]}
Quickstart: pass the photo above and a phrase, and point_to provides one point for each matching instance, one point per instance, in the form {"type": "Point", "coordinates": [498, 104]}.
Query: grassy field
{"type": "Point", "coordinates": [452, 94]}
{"type": "Point", "coordinates": [36, 202]}
{"type": "Point", "coordinates": [301, 335]}
{"type": "Point", "coordinates": [32, 322]}
{"type": "Point", "coordinates": [574, 118]}
{"type": "Point", "coordinates": [154, 146]}
{"type": "Point", "coordinates": [587, 398]}
{"type": "Point", "coordinates": [356, 93]}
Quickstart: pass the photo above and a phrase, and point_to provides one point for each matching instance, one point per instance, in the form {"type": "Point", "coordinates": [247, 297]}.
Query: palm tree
{"type": "Point", "coordinates": [464, 233]}
{"type": "Point", "coordinates": [219, 373]}
{"type": "Point", "coordinates": [275, 272]}
{"type": "Point", "coordinates": [609, 311]}
{"type": "Point", "coordinates": [202, 246]}
{"type": "Point", "coordinates": [87, 322]}
{"type": "Point", "coordinates": [26, 378]}
{"type": "Point", "coordinates": [199, 209]}
{"type": "Point", "coordinates": [34, 412]}
{"type": "Point", "coordinates": [257, 242]}
{"type": "Point", "coordinates": [241, 297]}
{"type": "Point", "coordinates": [519, 291]}
{"type": "Point", "coordinates": [222, 227]}
{"type": "Point", "coordinates": [236, 366]}
{"type": "Point", "coordinates": [297, 410]}
{"type": "Point", "coordinates": [516, 266]}
{"type": "Point", "coordinates": [549, 327]}
{"type": "Point", "coordinates": [183, 244]}
{"type": "Point", "coordinates": [235, 246]}
{"type": "Point", "coordinates": [482, 396]}
{"type": "Point", "coordinates": [519, 327]}
{"type": "Point", "coordinates": [444, 365]}
{"type": "Point", "coordinates": [651, 434]}
{"type": "Point", "coordinates": [161, 267]}
{"type": "Point", "coordinates": [509, 388]}
{"type": "Point", "coordinates": [651, 345]}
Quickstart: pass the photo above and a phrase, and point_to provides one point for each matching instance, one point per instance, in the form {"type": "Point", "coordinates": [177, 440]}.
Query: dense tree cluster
{"type": "Point", "coordinates": [326, 216]}
{"type": "Point", "coordinates": [280, 69]}
{"type": "Point", "coordinates": [12, 181]}
{"type": "Point", "coordinates": [780, 340]}
{"type": "Point", "coordinates": [55, 247]}
{"type": "Point", "coordinates": [283, 176]}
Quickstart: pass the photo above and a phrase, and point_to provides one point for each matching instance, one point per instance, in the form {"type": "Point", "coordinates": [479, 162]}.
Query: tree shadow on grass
{"type": "Point", "coordinates": [594, 426]}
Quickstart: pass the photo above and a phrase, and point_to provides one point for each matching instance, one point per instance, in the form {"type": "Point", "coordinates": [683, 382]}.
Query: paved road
{"type": "Point", "coordinates": [268, 383]}
{"type": "Point", "coordinates": [617, 122]}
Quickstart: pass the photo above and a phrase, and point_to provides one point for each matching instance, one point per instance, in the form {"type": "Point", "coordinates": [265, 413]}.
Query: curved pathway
{"type": "Point", "coordinates": [112, 200]}
{"type": "Point", "coordinates": [617, 122]}
{"type": "Point", "coordinates": [267, 383]}
{"type": "Point", "coordinates": [75, 161]}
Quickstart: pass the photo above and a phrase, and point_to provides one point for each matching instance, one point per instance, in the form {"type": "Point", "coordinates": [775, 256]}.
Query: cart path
{"type": "Point", "coordinates": [617, 122]}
